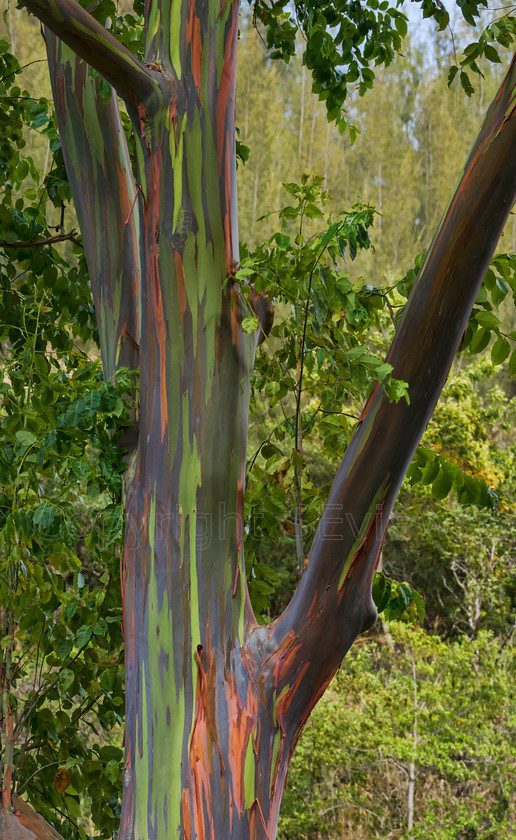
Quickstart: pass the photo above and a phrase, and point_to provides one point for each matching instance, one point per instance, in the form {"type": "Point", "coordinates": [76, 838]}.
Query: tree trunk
{"type": "Point", "coordinates": [214, 702]}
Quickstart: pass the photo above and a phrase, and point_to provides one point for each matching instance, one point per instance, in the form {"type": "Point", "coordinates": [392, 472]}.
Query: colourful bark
{"type": "Point", "coordinates": [216, 703]}
{"type": "Point", "coordinates": [92, 42]}
{"type": "Point", "coordinates": [184, 576]}
{"type": "Point", "coordinates": [104, 195]}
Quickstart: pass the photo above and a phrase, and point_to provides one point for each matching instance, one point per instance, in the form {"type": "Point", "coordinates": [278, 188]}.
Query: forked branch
{"type": "Point", "coordinates": [89, 40]}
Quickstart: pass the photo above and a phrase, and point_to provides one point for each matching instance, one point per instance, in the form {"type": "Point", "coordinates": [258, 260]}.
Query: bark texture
{"type": "Point", "coordinates": [216, 703]}
{"type": "Point", "coordinates": [22, 822]}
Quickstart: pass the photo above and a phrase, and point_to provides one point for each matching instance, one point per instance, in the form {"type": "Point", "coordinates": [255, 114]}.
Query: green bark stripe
{"type": "Point", "coordinates": [168, 704]}
{"type": "Point", "coordinates": [367, 522]}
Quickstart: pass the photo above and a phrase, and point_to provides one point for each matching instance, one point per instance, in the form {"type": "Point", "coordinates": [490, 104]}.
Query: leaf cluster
{"type": "Point", "coordinates": [343, 41]}
{"type": "Point", "coordinates": [395, 600]}
{"type": "Point", "coordinates": [484, 325]}
{"type": "Point", "coordinates": [60, 535]}
{"type": "Point", "coordinates": [324, 353]}
{"type": "Point", "coordinates": [501, 31]}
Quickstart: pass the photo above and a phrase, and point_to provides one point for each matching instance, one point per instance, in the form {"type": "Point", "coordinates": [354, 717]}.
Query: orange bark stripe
{"type": "Point", "coordinates": [181, 291]}
{"type": "Point", "coordinates": [197, 55]}
{"type": "Point", "coordinates": [236, 331]}
{"type": "Point", "coordinates": [256, 807]}
{"type": "Point", "coordinates": [186, 814]}
{"type": "Point", "coordinates": [226, 88]}
{"type": "Point", "coordinates": [161, 339]}
{"type": "Point", "coordinates": [243, 717]}
{"type": "Point", "coordinates": [286, 699]}
{"type": "Point", "coordinates": [193, 37]}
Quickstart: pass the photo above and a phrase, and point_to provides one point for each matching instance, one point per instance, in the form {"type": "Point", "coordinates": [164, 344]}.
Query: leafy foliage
{"type": "Point", "coordinates": [60, 532]}
{"type": "Point", "coordinates": [396, 600]}
{"type": "Point", "coordinates": [318, 362]}
{"type": "Point", "coordinates": [343, 41]}
{"type": "Point", "coordinates": [501, 31]}
{"type": "Point", "coordinates": [461, 556]}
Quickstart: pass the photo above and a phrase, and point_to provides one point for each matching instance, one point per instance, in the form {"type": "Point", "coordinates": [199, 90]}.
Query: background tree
{"type": "Point", "coordinates": [217, 695]}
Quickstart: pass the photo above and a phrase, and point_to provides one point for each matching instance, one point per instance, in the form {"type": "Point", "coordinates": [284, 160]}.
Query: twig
{"type": "Point", "coordinates": [8, 75]}
{"type": "Point", "coordinates": [35, 243]}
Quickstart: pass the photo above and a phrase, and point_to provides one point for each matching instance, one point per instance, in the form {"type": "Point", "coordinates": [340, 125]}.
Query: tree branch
{"type": "Point", "coordinates": [334, 596]}
{"type": "Point", "coordinates": [89, 40]}
{"type": "Point", "coordinates": [105, 194]}
{"type": "Point", "coordinates": [36, 243]}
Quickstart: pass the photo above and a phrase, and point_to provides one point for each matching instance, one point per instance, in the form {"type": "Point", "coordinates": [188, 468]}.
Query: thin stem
{"type": "Point", "coordinates": [298, 432]}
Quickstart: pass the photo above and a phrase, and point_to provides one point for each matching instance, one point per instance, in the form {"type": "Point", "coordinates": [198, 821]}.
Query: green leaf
{"type": "Point", "coordinates": [452, 73]}
{"type": "Point", "coordinates": [512, 364]}
{"type": "Point", "coordinates": [500, 350]}
{"type": "Point", "coordinates": [430, 471]}
{"type": "Point", "coordinates": [110, 753]}
{"type": "Point", "coordinates": [487, 319]}
{"type": "Point", "coordinates": [470, 491]}
{"type": "Point", "coordinates": [293, 189]}
{"type": "Point", "coordinates": [400, 22]}
{"type": "Point", "coordinates": [466, 84]}
{"type": "Point", "coordinates": [82, 409]}
{"type": "Point", "coordinates": [100, 628]}
{"type": "Point", "coordinates": [64, 648]}
{"type": "Point", "coordinates": [242, 152]}
{"type": "Point", "coordinates": [381, 590]}
{"type": "Point", "coordinates": [84, 634]}
{"type": "Point", "coordinates": [480, 340]}
{"type": "Point", "coordinates": [250, 324]}
{"type": "Point", "coordinates": [313, 212]}
{"type": "Point", "coordinates": [441, 485]}
{"type": "Point", "coordinates": [419, 604]}
{"type": "Point", "coordinates": [41, 365]}
{"type": "Point", "coordinates": [112, 770]}
{"type": "Point", "coordinates": [289, 213]}
{"type": "Point", "coordinates": [44, 516]}
{"type": "Point", "coordinates": [23, 440]}
{"type": "Point", "coordinates": [398, 604]}
{"type": "Point", "coordinates": [492, 54]}
{"type": "Point", "coordinates": [66, 678]}
{"type": "Point", "coordinates": [282, 241]}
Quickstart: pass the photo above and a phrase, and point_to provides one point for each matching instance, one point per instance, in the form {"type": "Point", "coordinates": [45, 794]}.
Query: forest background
{"type": "Point", "coordinates": [415, 738]}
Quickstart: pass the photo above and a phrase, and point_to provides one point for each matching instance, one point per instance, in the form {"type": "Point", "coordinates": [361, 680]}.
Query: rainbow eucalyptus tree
{"type": "Point", "coordinates": [216, 702]}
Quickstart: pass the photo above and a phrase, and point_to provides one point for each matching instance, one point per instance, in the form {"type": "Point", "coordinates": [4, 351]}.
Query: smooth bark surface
{"type": "Point", "coordinates": [214, 702]}
{"type": "Point", "coordinates": [23, 823]}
